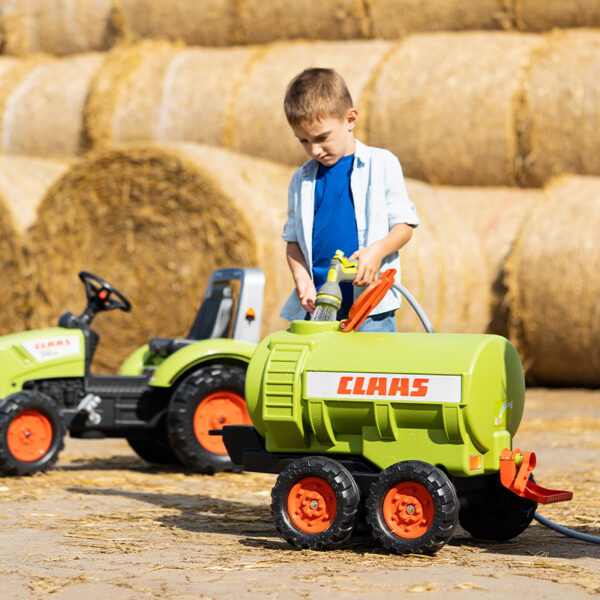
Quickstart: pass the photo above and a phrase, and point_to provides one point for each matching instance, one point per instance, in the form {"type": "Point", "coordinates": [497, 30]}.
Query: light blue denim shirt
{"type": "Point", "coordinates": [380, 202]}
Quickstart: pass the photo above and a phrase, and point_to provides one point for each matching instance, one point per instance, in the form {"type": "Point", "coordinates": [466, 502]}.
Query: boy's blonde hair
{"type": "Point", "coordinates": [316, 94]}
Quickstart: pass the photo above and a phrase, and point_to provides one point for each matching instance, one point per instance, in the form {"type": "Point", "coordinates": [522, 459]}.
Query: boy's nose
{"type": "Point", "coordinates": [316, 150]}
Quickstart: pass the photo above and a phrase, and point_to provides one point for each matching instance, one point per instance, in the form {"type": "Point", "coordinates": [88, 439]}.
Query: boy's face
{"type": "Point", "coordinates": [329, 139]}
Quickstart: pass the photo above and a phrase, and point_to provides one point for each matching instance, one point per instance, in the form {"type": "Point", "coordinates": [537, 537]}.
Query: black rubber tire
{"type": "Point", "coordinates": [11, 408]}
{"type": "Point", "coordinates": [440, 491]}
{"type": "Point", "coordinates": [499, 514]}
{"type": "Point", "coordinates": [155, 450]}
{"type": "Point", "coordinates": [347, 495]}
{"type": "Point", "coordinates": [184, 402]}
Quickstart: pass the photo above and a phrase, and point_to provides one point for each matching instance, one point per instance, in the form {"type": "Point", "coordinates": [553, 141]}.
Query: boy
{"type": "Point", "coordinates": [348, 196]}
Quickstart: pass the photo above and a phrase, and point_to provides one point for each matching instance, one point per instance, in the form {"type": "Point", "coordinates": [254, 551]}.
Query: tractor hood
{"type": "Point", "coordinates": [40, 354]}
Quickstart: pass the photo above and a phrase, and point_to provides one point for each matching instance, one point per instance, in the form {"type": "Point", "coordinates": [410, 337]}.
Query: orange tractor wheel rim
{"type": "Point", "coordinates": [408, 509]}
{"type": "Point", "coordinates": [215, 411]}
{"type": "Point", "coordinates": [29, 436]}
{"type": "Point", "coordinates": [312, 504]}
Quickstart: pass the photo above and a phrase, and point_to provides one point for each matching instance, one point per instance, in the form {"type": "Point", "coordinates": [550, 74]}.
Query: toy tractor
{"type": "Point", "coordinates": [411, 432]}
{"type": "Point", "coordinates": [168, 395]}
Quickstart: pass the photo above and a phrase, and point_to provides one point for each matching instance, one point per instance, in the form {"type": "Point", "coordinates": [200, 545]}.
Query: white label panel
{"type": "Point", "coordinates": [52, 348]}
{"type": "Point", "coordinates": [384, 386]}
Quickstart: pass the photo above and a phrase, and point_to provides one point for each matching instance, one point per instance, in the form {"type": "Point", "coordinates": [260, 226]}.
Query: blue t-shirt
{"type": "Point", "coordinates": [334, 225]}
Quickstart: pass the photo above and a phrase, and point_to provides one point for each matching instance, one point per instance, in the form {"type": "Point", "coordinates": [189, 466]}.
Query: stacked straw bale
{"type": "Point", "coordinates": [159, 91]}
{"type": "Point", "coordinates": [544, 15]}
{"type": "Point", "coordinates": [258, 125]}
{"type": "Point", "coordinates": [444, 267]}
{"type": "Point", "coordinates": [552, 278]}
{"type": "Point", "coordinates": [445, 104]}
{"type": "Point", "coordinates": [56, 26]}
{"type": "Point", "coordinates": [155, 221]}
{"type": "Point", "coordinates": [23, 183]}
{"type": "Point", "coordinates": [43, 113]}
{"type": "Point", "coordinates": [562, 99]}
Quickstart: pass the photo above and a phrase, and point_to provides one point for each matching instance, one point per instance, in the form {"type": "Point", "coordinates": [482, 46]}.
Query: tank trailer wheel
{"type": "Point", "coordinates": [31, 433]}
{"type": "Point", "coordinates": [314, 503]}
{"type": "Point", "coordinates": [500, 515]}
{"type": "Point", "coordinates": [412, 508]}
{"type": "Point", "coordinates": [209, 398]}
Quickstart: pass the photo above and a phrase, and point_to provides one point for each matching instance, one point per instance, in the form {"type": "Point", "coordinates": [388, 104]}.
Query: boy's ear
{"type": "Point", "coordinates": [352, 118]}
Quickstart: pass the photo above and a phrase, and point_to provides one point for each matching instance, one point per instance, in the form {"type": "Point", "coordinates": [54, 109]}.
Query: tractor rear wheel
{"type": "Point", "coordinates": [498, 514]}
{"type": "Point", "coordinates": [157, 448]}
{"type": "Point", "coordinates": [31, 433]}
{"type": "Point", "coordinates": [209, 398]}
{"type": "Point", "coordinates": [314, 503]}
{"type": "Point", "coordinates": [412, 508]}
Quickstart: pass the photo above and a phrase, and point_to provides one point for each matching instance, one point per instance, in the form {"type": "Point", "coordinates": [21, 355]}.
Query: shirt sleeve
{"type": "Point", "coordinates": [289, 229]}
{"type": "Point", "coordinates": [399, 207]}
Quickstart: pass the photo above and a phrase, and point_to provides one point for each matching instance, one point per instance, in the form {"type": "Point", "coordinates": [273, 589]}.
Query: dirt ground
{"type": "Point", "coordinates": [103, 524]}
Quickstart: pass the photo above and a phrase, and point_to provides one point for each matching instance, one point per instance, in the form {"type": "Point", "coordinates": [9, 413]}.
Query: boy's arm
{"type": "Point", "coordinates": [305, 288]}
{"type": "Point", "coordinates": [370, 257]}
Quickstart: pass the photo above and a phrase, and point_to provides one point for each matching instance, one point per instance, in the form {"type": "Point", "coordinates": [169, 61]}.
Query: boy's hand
{"type": "Point", "coordinates": [369, 262]}
{"type": "Point", "coordinates": [307, 294]}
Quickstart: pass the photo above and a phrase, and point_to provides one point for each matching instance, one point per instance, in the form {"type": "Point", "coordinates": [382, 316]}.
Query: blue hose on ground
{"type": "Point", "coordinates": [586, 537]}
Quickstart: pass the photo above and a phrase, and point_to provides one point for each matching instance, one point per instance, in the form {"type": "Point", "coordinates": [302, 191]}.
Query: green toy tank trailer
{"type": "Point", "coordinates": [167, 396]}
{"type": "Point", "coordinates": [411, 431]}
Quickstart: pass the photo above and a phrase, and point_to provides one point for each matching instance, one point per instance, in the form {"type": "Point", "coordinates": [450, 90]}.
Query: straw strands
{"type": "Point", "coordinates": [23, 183]}
{"type": "Point", "coordinates": [43, 111]}
{"type": "Point", "coordinates": [155, 221]}
{"type": "Point", "coordinates": [552, 280]}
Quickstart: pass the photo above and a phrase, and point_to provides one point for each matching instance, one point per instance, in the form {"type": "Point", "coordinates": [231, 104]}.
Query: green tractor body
{"type": "Point", "coordinates": [157, 401]}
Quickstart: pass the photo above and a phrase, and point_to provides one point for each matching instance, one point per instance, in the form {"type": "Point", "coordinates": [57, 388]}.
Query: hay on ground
{"type": "Point", "coordinates": [445, 105]}
{"type": "Point", "coordinates": [161, 91]}
{"type": "Point", "coordinates": [552, 279]}
{"type": "Point", "coordinates": [562, 99]}
{"type": "Point", "coordinates": [43, 113]}
{"type": "Point", "coordinates": [55, 26]}
{"type": "Point", "coordinates": [155, 221]}
{"type": "Point", "coordinates": [258, 125]}
{"type": "Point", "coordinates": [23, 183]}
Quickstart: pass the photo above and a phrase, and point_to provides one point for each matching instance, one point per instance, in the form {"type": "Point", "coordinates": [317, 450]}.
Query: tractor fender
{"type": "Point", "coordinates": [203, 351]}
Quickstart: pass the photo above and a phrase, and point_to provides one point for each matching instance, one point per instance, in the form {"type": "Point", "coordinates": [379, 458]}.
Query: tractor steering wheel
{"type": "Point", "coordinates": [98, 293]}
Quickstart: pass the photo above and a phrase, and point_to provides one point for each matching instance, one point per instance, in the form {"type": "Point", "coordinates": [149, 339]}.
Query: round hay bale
{"type": "Point", "coordinates": [206, 23]}
{"type": "Point", "coordinates": [258, 22]}
{"type": "Point", "coordinates": [258, 125]}
{"type": "Point", "coordinates": [445, 105]}
{"type": "Point", "coordinates": [444, 268]}
{"type": "Point", "coordinates": [544, 15]}
{"type": "Point", "coordinates": [155, 221]}
{"type": "Point", "coordinates": [552, 278]}
{"type": "Point", "coordinates": [55, 26]}
{"type": "Point", "coordinates": [495, 216]}
{"type": "Point", "coordinates": [563, 94]}
{"type": "Point", "coordinates": [43, 114]}
{"type": "Point", "coordinates": [160, 91]}
{"type": "Point", "coordinates": [392, 19]}
{"type": "Point", "coordinates": [23, 183]}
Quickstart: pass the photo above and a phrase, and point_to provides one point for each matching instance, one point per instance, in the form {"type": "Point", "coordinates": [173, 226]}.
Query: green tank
{"type": "Point", "coordinates": [453, 400]}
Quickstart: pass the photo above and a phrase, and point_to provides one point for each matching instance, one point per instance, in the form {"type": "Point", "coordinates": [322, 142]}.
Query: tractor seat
{"type": "Point", "coordinates": [212, 321]}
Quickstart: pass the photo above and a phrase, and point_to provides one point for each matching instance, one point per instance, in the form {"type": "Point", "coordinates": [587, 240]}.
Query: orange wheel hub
{"type": "Point", "coordinates": [29, 436]}
{"type": "Point", "coordinates": [408, 509]}
{"type": "Point", "coordinates": [215, 411]}
{"type": "Point", "coordinates": [312, 504]}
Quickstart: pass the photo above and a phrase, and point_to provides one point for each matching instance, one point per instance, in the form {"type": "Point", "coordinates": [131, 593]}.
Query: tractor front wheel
{"type": "Point", "coordinates": [412, 508]}
{"type": "Point", "coordinates": [314, 503]}
{"type": "Point", "coordinates": [209, 398]}
{"type": "Point", "coordinates": [31, 433]}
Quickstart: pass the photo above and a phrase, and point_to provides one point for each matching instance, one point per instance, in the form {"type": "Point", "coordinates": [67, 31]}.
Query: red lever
{"type": "Point", "coordinates": [368, 300]}
{"type": "Point", "coordinates": [519, 483]}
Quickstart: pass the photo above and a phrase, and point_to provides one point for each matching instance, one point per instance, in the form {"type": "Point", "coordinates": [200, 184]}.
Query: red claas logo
{"type": "Point", "coordinates": [56, 343]}
{"type": "Point", "coordinates": [382, 386]}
